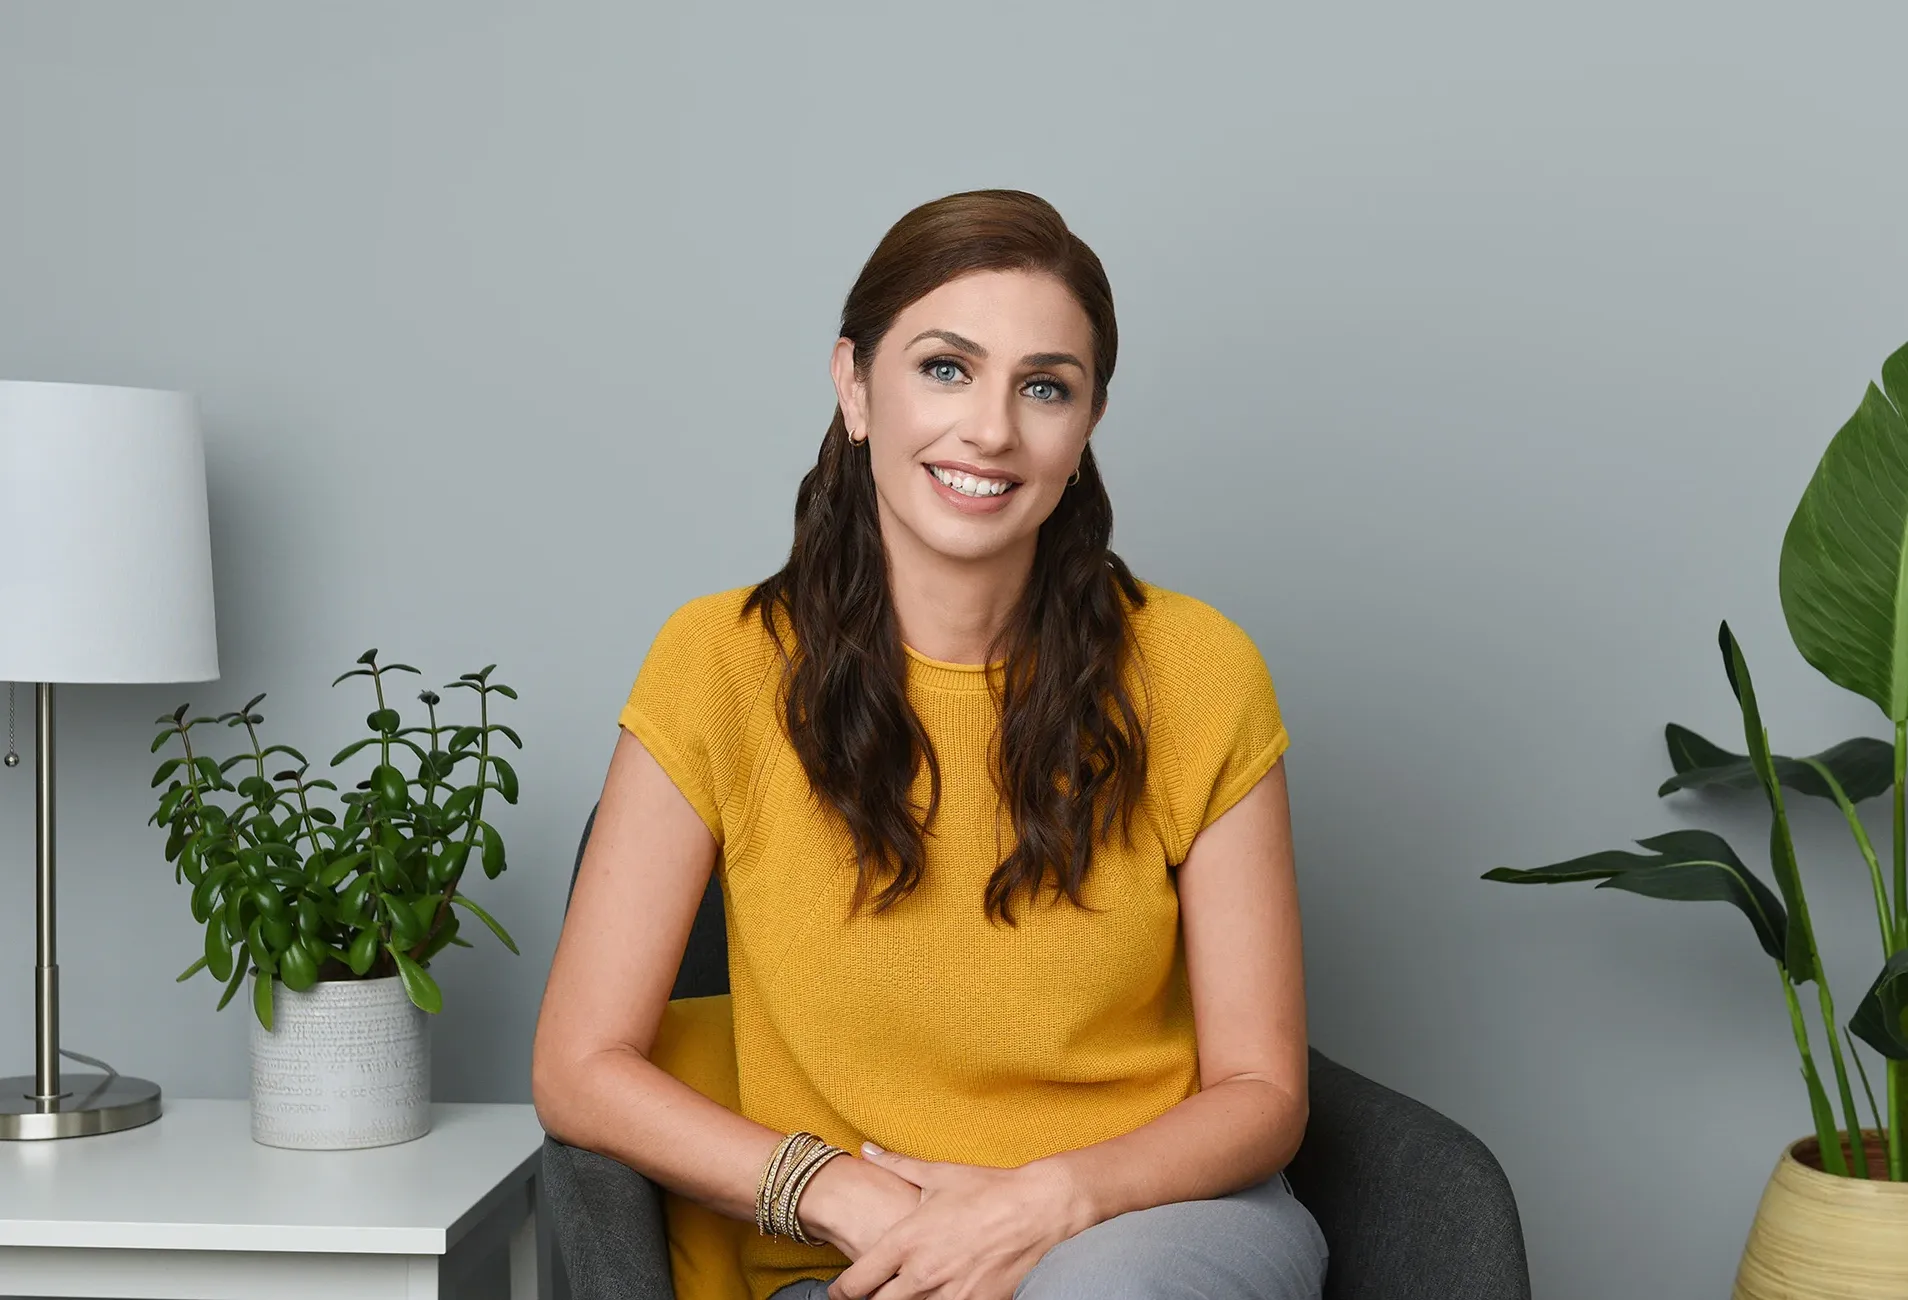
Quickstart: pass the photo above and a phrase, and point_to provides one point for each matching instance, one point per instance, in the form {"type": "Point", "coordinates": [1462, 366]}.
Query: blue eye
{"type": "Point", "coordinates": [934, 367]}
{"type": "Point", "coordinates": [1059, 390]}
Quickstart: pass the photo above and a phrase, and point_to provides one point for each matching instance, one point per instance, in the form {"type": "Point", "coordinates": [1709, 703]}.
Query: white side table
{"type": "Point", "coordinates": [188, 1207]}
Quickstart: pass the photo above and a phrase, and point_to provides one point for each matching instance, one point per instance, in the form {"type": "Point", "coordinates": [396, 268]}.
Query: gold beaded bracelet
{"type": "Point", "coordinates": [795, 1160]}
{"type": "Point", "coordinates": [791, 1224]}
{"type": "Point", "coordinates": [771, 1172]}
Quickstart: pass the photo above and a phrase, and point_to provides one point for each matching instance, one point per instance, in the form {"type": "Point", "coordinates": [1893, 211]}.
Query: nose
{"type": "Point", "coordinates": [992, 428]}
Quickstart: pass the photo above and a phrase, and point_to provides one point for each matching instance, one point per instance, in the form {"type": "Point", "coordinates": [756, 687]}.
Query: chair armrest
{"type": "Point", "coordinates": [1412, 1205]}
{"type": "Point", "coordinates": [607, 1220]}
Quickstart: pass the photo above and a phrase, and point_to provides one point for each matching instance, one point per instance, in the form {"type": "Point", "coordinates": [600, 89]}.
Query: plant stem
{"type": "Point", "coordinates": [1897, 1072]}
{"type": "Point", "coordinates": [1785, 841]}
{"type": "Point", "coordinates": [1901, 830]}
{"type": "Point", "coordinates": [1856, 1056]}
{"type": "Point", "coordinates": [476, 814]}
{"type": "Point", "coordinates": [1858, 1153]}
{"type": "Point", "coordinates": [1883, 912]}
{"type": "Point", "coordinates": [1825, 1134]}
{"type": "Point", "coordinates": [384, 737]}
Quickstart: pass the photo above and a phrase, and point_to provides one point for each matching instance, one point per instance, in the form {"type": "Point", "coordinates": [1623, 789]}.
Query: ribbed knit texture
{"type": "Point", "coordinates": [930, 1029]}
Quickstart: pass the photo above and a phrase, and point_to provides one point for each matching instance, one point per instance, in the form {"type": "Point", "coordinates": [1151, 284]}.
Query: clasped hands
{"type": "Point", "coordinates": [944, 1230]}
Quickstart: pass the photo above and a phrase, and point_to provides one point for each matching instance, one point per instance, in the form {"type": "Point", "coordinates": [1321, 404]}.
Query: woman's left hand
{"type": "Point", "coordinates": [977, 1233]}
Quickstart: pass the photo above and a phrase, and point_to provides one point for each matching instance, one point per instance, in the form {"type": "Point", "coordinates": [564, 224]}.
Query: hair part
{"type": "Point", "coordinates": [1070, 752]}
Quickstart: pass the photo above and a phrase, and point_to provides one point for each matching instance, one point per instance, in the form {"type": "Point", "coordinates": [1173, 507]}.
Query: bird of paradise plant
{"type": "Point", "coordinates": [1843, 580]}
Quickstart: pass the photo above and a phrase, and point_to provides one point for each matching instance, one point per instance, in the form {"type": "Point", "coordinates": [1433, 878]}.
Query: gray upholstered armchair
{"type": "Point", "coordinates": [1413, 1207]}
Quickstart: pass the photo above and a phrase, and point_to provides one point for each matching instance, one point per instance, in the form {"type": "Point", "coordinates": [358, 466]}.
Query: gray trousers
{"type": "Point", "coordinates": [1256, 1244]}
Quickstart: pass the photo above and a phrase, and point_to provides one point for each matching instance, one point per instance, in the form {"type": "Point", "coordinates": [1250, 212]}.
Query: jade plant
{"type": "Point", "coordinates": [1843, 582]}
{"type": "Point", "coordinates": [290, 889]}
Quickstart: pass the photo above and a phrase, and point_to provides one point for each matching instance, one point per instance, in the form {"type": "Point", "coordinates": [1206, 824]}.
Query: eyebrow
{"type": "Point", "coordinates": [962, 343]}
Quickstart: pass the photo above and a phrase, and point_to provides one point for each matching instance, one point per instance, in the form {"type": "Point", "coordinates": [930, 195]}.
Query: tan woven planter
{"type": "Point", "coordinates": [1817, 1236]}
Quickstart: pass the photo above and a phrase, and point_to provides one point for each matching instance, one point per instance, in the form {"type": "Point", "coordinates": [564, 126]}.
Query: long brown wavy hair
{"type": "Point", "coordinates": [1070, 752]}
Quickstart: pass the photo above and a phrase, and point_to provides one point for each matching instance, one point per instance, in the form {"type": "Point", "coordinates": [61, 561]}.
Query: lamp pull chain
{"type": "Point", "coordinates": [13, 753]}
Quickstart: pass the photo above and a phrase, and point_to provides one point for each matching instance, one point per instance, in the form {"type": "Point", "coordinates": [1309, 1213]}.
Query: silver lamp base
{"type": "Point", "coordinates": [88, 1104]}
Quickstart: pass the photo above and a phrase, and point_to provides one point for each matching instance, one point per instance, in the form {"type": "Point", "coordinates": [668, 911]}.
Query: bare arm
{"type": "Point", "coordinates": [646, 866]}
{"type": "Point", "coordinates": [1238, 899]}
{"type": "Point", "coordinates": [642, 875]}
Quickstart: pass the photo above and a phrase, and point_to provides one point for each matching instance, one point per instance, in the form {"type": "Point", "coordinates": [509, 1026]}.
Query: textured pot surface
{"type": "Point", "coordinates": [1816, 1235]}
{"type": "Point", "coordinates": [347, 1063]}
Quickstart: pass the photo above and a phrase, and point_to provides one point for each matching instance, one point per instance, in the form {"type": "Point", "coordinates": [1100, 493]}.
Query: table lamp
{"type": "Point", "coordinates": [105, 576]}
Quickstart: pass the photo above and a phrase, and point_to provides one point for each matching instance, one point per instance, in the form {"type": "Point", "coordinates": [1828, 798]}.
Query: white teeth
{"type": "Point", "coordinates": [968, 485]}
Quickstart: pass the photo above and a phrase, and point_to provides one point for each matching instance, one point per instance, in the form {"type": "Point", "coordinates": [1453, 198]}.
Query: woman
{"type": "Point", "coordinates": [1003, 837]}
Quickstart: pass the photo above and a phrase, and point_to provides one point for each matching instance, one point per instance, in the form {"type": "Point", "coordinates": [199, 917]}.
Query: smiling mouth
{"type": "Point", "coordinates": [969, 485]}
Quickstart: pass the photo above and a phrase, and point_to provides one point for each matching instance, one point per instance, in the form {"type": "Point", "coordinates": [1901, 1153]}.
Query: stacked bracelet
{"type": "Point", "coordinates": [795, 1160]}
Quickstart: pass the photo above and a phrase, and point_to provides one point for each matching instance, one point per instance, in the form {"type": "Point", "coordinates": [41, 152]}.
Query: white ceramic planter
{"type": "Point", "coordinates": [347, 1063]}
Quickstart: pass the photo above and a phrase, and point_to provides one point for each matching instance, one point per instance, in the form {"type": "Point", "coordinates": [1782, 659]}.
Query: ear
{"type": "Point", "coordinates": [1097, 417]}
{"type": "Point", "coordinates": [850, 392]}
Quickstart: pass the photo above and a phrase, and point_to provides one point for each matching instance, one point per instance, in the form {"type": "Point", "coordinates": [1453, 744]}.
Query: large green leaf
{"type": "Point", "coordinates": [1844, 568]}
{"type": "Point", "coordinates": [1687, 865]}
{"type": "Point", "coordinates": [1881, 1020]}
{"type": "Point", "coordinates": [1799, 945]}
{"type": "Point", "coordinates": [1864, 767]}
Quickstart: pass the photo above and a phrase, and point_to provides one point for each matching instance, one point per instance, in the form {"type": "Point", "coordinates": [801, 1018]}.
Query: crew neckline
{"type": "Point", "coordinates": [946, 674]}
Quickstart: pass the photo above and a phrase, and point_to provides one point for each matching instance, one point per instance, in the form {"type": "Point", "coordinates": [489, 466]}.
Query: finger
{"type": "Point", "coordinates": [918, 1172]}
{"type": "Point", "coordinates": [881, 1262]}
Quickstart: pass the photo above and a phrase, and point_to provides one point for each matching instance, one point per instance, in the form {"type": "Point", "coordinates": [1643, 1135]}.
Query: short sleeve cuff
{"type": "Point", "coordinates": [675, 765]}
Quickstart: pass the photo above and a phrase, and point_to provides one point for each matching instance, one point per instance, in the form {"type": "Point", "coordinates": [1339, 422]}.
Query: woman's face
{"type": "Point", "coordinates": [976, 408]}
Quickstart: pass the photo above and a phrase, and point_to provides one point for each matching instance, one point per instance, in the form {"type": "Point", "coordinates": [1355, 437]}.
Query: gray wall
{"type": "Point", "coordinates": [1473, 361]}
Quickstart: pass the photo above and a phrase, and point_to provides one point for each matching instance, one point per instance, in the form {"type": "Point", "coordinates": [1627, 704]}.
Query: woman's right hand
{"type": "Point", "coordinates": [850, 1203]}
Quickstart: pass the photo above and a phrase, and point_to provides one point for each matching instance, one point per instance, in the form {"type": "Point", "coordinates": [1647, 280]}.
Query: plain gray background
{"type": "Point", "coordinates": [1474, 358]}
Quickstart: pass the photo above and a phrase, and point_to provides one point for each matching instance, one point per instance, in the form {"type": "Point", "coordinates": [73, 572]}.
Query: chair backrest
{"type": "Point", "coordinates": [705, 961]}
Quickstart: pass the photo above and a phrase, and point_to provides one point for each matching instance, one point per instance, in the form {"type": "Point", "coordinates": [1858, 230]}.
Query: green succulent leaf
{"type": "Point", "coordinates": [299, 968]}
{"type": "Point", "coordinates": [493, 851]}
{"type": "Point", "coordinates": [363, 951]}
{"type": "Point", "coordinates": [506, 779]}
{"type": "Point", "coordinates": [262, 998]}
{"type": "Point", "coordinates": [218, 949]}
{"type": "Point", "coordinates": [488, 920]}
{"type": "Point", "coordinates": [189, 971]}
{"type": "Point", "coordinates": [232, 986]}
{"type": "Point", "coordinates": [205, 896]}
{"type": "Point", "coordinates": [166, 769]}
{"type": "Point", "coordinates": [1881, 1020]}
{"type": "Point", "coordinates": [404, 924]}
{"type": "Point", "coordinates": [418, 983]}
{"type": "Point", "coordinates": [1843, 575]}
{"type": "Point", "coordinates": [351, 749]}
{"type": "Point", "coordinates": [1685, 865]}
{"type": "Point", "coordinates": [390, 874]}
{"type": "Point", "coordinates": [338, 868]}
{"type": "Point", "coordinates": [390, 786]}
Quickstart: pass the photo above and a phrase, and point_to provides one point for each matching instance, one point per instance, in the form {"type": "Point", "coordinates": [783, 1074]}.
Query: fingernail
{"type": "Point", "coordinates": [870, 1149]}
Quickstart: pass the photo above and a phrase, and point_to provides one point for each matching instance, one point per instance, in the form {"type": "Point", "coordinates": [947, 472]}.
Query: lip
{"type": "Point", "coordinates": [962, 467]}
{"type": "Point", "coordinates": [965, 504]}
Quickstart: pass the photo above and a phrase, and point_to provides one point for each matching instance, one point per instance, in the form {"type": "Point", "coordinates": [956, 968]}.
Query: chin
{"type": "Point", "coordinates": [968, 549]}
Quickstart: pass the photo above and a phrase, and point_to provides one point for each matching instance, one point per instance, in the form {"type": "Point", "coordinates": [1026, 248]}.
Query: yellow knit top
{"type": "Point", "coordinates": [930, 1029]}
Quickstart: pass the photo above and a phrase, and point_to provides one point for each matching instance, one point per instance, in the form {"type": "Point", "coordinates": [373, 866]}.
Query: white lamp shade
{"type": "Point", "coordinates": [105, 551]}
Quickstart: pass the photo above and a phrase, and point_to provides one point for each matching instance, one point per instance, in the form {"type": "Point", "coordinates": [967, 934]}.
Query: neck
{"type": "Point", "coordinates": [949, 608]}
